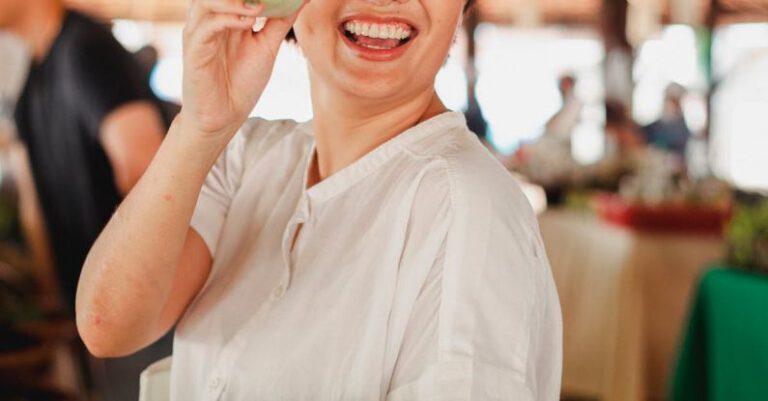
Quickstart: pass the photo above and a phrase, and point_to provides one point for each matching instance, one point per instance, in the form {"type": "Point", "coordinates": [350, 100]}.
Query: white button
{"type": "Point", "coordinates": [215, 383]}
{"type": "Point", "coordinates": [278, 292]}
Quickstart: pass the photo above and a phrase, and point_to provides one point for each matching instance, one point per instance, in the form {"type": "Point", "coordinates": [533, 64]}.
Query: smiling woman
{"type": "Point", "coordinates": [378, 252]}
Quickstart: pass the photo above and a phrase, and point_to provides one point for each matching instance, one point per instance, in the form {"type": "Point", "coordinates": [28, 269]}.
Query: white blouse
{"type": "Point", "coordinates": [416, 273]}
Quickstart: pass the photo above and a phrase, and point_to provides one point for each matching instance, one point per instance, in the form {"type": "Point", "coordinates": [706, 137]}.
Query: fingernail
{"type": "Point", "coordinates": [259, 24]}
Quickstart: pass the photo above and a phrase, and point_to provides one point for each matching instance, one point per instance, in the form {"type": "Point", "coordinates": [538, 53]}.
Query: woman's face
{"type": "Point", "coordinates": [378, 49]}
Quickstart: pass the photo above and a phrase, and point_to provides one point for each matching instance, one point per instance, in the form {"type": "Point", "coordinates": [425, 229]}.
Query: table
{"type": "Point", "coordinates": [624, 295]}
{"type": "Point", "coordinates": [725, 354]}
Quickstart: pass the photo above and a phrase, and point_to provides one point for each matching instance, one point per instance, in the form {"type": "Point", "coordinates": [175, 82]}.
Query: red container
{"type": "Point", "coordinates": [662, 218]}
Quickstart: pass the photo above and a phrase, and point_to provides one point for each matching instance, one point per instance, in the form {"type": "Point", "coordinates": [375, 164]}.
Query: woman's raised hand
{"type": "Point", "coordinates": [226, 64]}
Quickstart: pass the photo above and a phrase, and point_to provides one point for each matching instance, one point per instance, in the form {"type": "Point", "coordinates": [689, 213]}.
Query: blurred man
{"type": "Point", "coordinates": [562, 124]}
{"type": "Point", "coordinates": [670, 132]}
{"type": "Point", "coordinates": [549, 159]}
{"type": "Point", "coordinates": [148, 58]}
{"type": "Point", "coordinates": [89, 127]}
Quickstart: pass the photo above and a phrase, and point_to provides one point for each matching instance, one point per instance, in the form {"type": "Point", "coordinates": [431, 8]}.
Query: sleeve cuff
{"type": "Point", "coordinates": [208, 220]}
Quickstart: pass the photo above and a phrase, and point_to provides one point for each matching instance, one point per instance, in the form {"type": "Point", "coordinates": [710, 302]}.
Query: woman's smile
{"type": "Point", "coordinates": [377, 38]}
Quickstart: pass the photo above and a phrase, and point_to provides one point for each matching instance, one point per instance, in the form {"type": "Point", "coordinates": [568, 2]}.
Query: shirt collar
{"type": "Point", "coordinates": [352, 174]}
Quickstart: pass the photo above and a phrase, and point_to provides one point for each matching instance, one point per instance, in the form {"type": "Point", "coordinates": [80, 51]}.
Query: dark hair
{"type": "Point", "coordinates": [291, 37]}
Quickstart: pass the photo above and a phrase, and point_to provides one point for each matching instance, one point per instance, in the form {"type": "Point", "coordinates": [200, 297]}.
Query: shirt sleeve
{"type": "Point", "coordinates": [486, 325]}
{"type": "Point", "coordinates": [426, 371]}
{"type": "Point", "coordinates": [217, 193]}
{"type": "Point", "coordinates": [104, 77]}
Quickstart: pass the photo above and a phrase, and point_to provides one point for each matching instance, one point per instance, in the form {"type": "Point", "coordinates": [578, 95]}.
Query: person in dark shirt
{"type": "Point", "coordinates": [670, 132]}
{"type": "Point", "coordinates": [89, 126]}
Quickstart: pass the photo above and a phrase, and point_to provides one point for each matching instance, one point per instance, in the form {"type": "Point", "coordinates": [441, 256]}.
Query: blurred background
{"type": "Point", "coordinates": [639, 130]}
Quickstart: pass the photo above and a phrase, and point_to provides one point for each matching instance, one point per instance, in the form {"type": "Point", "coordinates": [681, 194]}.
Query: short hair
{"type": "Point", "coordinates": [291, 36]}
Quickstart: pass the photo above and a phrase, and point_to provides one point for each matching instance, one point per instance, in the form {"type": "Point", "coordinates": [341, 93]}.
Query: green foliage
{"type": "Point", "coordinates": [747, 236]}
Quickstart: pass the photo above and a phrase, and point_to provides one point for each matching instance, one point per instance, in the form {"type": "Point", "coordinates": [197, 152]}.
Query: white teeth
{"type": "Point", "coordinates": [374, 33]}
{"type": "Point", "coordinates": [378, 31]}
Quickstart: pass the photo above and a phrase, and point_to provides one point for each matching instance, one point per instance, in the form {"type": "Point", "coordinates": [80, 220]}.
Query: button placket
{"type": "Point", "coordinates": [289, 239]}
{"type": "Point", "coordinates": [232, 350]}
{"type": "Point", "coordinates": [215, 387]}
{"type": "Point", "coordinates": [278, 292]}
{"type": "Point", "coordinates": [215, 383]}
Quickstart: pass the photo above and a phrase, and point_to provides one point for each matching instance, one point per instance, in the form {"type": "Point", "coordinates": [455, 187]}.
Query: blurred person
{"type": "Point", "coordinates": [478, 125]}
{"type": "Point", "coordinates": [562, 124]}
{"type": "Point", "coordinates": [476, 121]}
{"type": "Point", "coordinates": [148, 57]}
{"type": "Point", "coordinates": [670, 132]}
{"type": "Point", "coordinates": [88, 126]}
{"type": "Point", "coordinates": [623, 146]}
{"type": "Point", "coordinates": [548, 160]}
{"type": "Point", "coordinates": [375, 252]}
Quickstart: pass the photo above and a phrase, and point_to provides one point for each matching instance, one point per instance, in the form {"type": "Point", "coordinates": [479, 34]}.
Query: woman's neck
{"type": "Point", "coordinates": [346, 129]}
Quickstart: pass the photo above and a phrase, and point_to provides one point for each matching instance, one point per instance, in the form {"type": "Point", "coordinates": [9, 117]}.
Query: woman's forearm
{"type": "Point", "coordinates": [128, 276]}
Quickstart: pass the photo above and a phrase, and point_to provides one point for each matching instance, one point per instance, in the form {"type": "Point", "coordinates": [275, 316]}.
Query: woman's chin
{"type": "Point", "coordinates": [375, 87]}
{"type": "Point", "coordinates": [375, 81]}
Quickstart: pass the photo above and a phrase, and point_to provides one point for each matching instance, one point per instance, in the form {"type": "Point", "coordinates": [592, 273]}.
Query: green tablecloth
{"type": "Point", "coordinates": [724, 356]}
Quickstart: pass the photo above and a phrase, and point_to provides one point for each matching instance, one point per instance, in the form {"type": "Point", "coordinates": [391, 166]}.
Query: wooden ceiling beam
{"type": "Point", "coordinates": [566, 12]}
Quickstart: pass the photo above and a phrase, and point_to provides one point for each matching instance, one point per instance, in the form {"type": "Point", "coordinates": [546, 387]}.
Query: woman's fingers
{"type": "Point", "coordinates": [216, 24]}
{"type": "Point", "coordinates": [200, 10]}
{"type": "Point", "coordinates": [275, 29]}
{"type": "Point", "coordinates": [225, 5]}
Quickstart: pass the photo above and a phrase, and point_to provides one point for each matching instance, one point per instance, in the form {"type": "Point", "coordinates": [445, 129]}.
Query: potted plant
{"type": "Point", "coordinates": [747, 236]}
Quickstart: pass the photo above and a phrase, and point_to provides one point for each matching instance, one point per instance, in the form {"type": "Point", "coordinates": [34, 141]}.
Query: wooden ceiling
{"type": "Point", "coordinates": [743, 10]}
{"type": "Point", "coordinates": [153, 10]}
{"type": "Point", "coordinates": [506, 11]}
{"type": "Point", "coordinates": [546, 11]}
{"type": "Point", "coordinates": [502, 11]}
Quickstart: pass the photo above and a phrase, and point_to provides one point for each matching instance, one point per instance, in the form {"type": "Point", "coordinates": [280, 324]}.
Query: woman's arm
{"type": "Point", "coordinates": [147, 264]}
